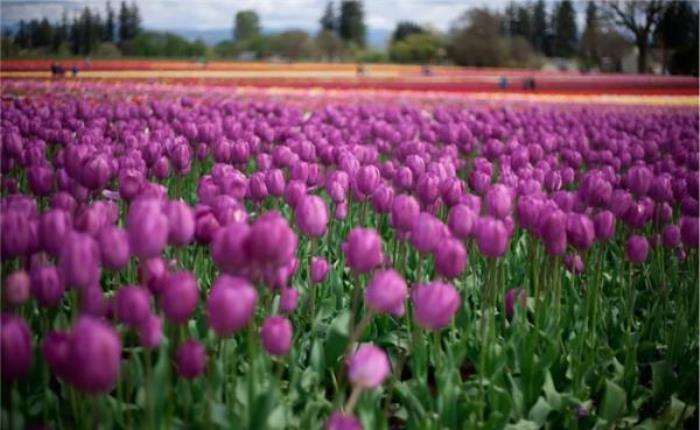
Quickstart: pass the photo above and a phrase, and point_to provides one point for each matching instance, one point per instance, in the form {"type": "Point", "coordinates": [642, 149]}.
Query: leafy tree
{"type": "Point", "coordinates": [638, 17]}
{"type": "Point", "coordinates": [565, 31]}
{"type": "Point", "coordinates": [539, 27]}
{"type": "Point", "coordinates": [475, 39]}
{"type": "Point", "coordinates": [329, 44]}
{"type": "Point", "coordinates": [328, 20]}
{"type": "Point", "coordinates": [418, 48]}
{"type": "Point", "coordinates": [352, 27]}
{"type": "Point", "coordinates": [404, 29]}
{"type": "Point", "coordinates": [247, 25]}
{"type": "Point", "coordinates": [292, 44]}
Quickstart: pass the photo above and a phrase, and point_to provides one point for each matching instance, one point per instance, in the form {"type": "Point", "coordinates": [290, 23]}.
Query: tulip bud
{"type": "Point", "coordinates": [689, 231]}
{"type": "Point", "coordinates": [289, 298]}
{"type": "Point", "coordinates": [151, 331]}
{"type": "Point", "coordinates": [16, 288]}
{"type": "Point", "coordinates": [427, 233]}
{"type": "Point", "coordinates": [368, 179]}
{"type": "Point", "coordinates": [16, 342]}
{"type": "Point", "coordinates": [46, 284]}
{"type": "Point", "coordinates": [340, 421]}
{"type": "Point", "coordinates": [461, 220]}
{"type": "Point", "coordinates": [386, 293]}
{"type": "Point", "coordinates": [80, 258]}
{"type": "Point", "coordinates": [312, 215]}
{"type": "Point", "coordinates": [191, 359]}
{"type": "Point", "coordinates": [491, 237]}
{"type": "Point", "coordinates": [319, 269]}
{"type": "Point", "coordinates": [604, 225]}
{"type": "Point", "coordinates": [180, 222]}
{"type": "Point", "coordinates": [54, 226]}
{"type": "Point", "coordinates": [153, 273]}
{"type": "Point", "coordinates": [55, 349]}
{"type": "Point", "coordinates": [276, 335]}
{"type": "Point", "coordinates": [404, 211]}
{"type": "Point", "coordinates": [271, 242]}
{"type": "Point", "coordinates": [637, 249]}
{"type": "Point", "coordinates": [363, 250]}
{"type": "Point", "coordinates": [228, 248]}
{"type": "Point", "coordinates": [368, 367]}
{"type": "Point", "coordinates": [133, 305]}
{"type": "Point", "coordinates": [499, 201]}
{"type": "Point", "coordinates": [671, 236]}
{"type": "Point", "coordinates": [95, 355]}
{"type": "Point", "coordinates": [92, 301]}
{"type": "Point", "coordinates": [580, 231]}
{"type": "Point", "coordinates": [179, 297]}
{"type": "Point", "coordinates": [435, 304]}
{"type": "Point", "coordinates": [450, 258]}
{"type": "Point", "coordinates": [114, 247]}
{"type": "Point", "coordinates": [148, 228]}
{"type": "Point", "coordinates": [231, 304]}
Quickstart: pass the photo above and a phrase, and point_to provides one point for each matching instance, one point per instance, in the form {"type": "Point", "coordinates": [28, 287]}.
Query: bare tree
{"type": "Point", "coordinates": [640, 17]}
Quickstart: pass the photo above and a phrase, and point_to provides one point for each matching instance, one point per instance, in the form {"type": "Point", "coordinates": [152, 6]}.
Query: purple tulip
{"type": "Point", "coordinates": [368, 178]}
{"type": "Point", "coordinates": [435, 304]}
{"type": "Point", "coordinates": [491, 237]}
{"type": "Point", "coordinates": [191, 359]}
{"type": "Point", "coordinates": [311, 215]}
{"type": "Point", "coordinates": [340, 421]}
{"type": "Point", "coordinates": [114, 247]}
{"type": "Point", "coordinates": [55, 349]}
{"type": "Point", "coordinates": [689, 231]}
{"type": "Point", "coordinates": [153, 273]}
{"type": "Point", "coordinates": [16, 289]}
{"type": "Point", "coordinates": [46, 284]}
{"type": "Point", "coordinates": [604, 225]}
{"type": "Point", "coordinates": [428, 232]}
{"type": "Point", "coordinates": [95, 355]}
{"type": "Point", "coordinates": [319, 269]}
{"type": "Point", "coordinates": [580, 231]}
{"type": "Point", "coordinates": [511, 301]}
{"type": "Point", "coordinates": [671, 236]}
{"type": "Point", "coordinates": [276, 334]}
{"type": "Point", "coordinates": [231, 305]}
{"type": "Point", "coordinates": [271, 242]}
{"type": "Point", "coordinates": [637, 249]}
{"type": "Point", "coordinates": [151, 331]}
{"type": "Point", "coordinates": [80, 260]}
{"type": "Point", "coordinates": [92, 301]}
{"type": "Point", "coordinates": [450, 258]}
{"type": "Point", "coordinates": [386, 293]}
{"type": "Point", "coordinates": [16, 342]}
{"type": "Point", "coordinates": [499, 201]}
{"type": "Point", "coordinates": [228, 248]}
{"type": "Point", "coordinates": [404, 211]}
{"type": "Point", "coordinates": [363, 250]}
{"type": "Point", "coordinates": [179, 297]}
{"type": "Point", "coordinates": [54, 226]}
{"type": "Point", "coordinates": [148, 228]}
{"type": "Point", "coordinates": [461, 220]}
{"type": "Point", "coordinates": [133, 305]}
{"type": "Point", "coordinates": [368, 367]}
{"type": "Point", "coordinates": [180, 222]}
{"type": "Point", "coordinates": [289, 298]}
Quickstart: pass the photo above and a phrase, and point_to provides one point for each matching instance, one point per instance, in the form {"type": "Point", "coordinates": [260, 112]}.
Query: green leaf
{"type": "Point", "coordinates": [551, 393]}
{"type": "Point", "coordinates": [614, 402]}
{"type": "Point", "coordinates": [540, 411]}
{"type": "Point", "coordinates": [523, 425]}
{"type": "Point", "coordinates": [337, 338]}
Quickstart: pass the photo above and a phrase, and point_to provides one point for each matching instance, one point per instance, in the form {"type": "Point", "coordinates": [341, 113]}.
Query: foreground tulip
{"type": "Point", "coordinates": [46, 284]}
{"type": "Point", "coordinates": [450, 258]}
{"type": "Point", "coordinates": [637, 249]}
{"type": "Point", "coordinates": [271, 242]}
{"type": "Point", "coordinates": [604, 225]}
{"type": "Point", "coordinates": [319, 269]}
{"type": "Point", "coordinates": [498, 201]}
{"type": "Point", "coordinates": [231, 304]}
{"type": "Point", "coordinates": [150, 331]}
{"type": "Point", "coordinates": [368, 367]}
{"type": "Point", "coordinates": [427, 233]}
{"type": "Point", "coordinates": [435, 304]}
{"type": "Point", "coordinates": [340, 421]}
{"type": "Point", "coordinates": [276, 334]}
{"type": "Point", "coordinates": [114, 247]}
{"type": "Point", "coordinates": [580, 231]}
{"type": "Point", "coordinates": [55, 349]}
{"type": "Point", "coordinates": [179, 297]}
{"type": "Point", "coordinates": [228, 247]}
{"type": "Point", "coordinates": [133, 305]}
{"type": "Point", "coordinates": [491, 236]}
{"type": "Point", "coordinates": [311, 215]}
{"type": "Point", "coordinates": [148, 228]}
{"type": "Point", "coordinates": [363, 249]}
{"type": "Point", "coordinates": [80, 260]}
{"type": "Point", "coordinates": [689, 231]}
{"type": "Point", "coordinates": [95, 355]}
{"type": "Point", "coordinates": [181, 223]}
{"type": "Point", "coordinates": [289, 298]}
{"type": "Point", "coordinates": [386, 293]}
{"type": "Point", "coordinates": [16, 344]}
{"type": "Point", "coordinates": [190, 359]}
{"type": "Point", "coordinates": [461, 220]}
{"type": "Point", "coordinates": [15, 290]}
{"type": "Point", "coordinates": [404, 211]}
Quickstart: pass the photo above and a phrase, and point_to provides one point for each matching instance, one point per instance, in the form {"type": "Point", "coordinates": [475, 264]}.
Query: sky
{"type": "Point", "coordinates": [274, 14]}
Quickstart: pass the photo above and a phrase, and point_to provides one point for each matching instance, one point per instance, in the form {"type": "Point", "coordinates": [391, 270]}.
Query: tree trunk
{"type": "Point", "coordinates": [642, 45]}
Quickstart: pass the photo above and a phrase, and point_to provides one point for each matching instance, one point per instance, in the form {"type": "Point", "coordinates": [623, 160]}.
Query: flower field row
{"type": "Point", "coordinates": [177, 258]}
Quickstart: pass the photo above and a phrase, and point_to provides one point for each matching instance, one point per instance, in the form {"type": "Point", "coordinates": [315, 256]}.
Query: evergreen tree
{"type": "Point", "coordinates": [404, 29]}
{"type": "Point", "coordinates": [135, 18]}
{"type": "Point", "coordinates": [523, 23]}
{"type": "Point", "coordinates": [565, 31]}
{"type": "Point", "coordinates": [539, 26]}
{"type": "Point", "coordinates": [352, 27]}
{"type": "Point", "coordinates": [22, 36]}
{"type": "Point", "coordinates": [124, 22]}
{"type": "Point", "coordinates": [328, 20]}
{"type": "Point", "coordinates": [108, 35]}
{"type": "Point", "coordinates": [60, 33]}
{"type": "Point", "coordinates": [590, 38]}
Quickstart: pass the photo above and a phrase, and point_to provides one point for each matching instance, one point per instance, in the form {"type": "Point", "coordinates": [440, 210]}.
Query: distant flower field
{"type": "Point", "coordinates": [184, 254]}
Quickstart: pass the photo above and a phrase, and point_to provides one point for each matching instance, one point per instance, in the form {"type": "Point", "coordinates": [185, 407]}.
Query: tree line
{"type": "Point", "coordinates": [523, 34]}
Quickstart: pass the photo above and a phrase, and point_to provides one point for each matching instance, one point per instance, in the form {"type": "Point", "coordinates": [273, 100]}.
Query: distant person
{"type": "Point", "coordinates": [503, 83]}
{"type": "Point", "coordinates": [54, 69]}
{"type": "Point", "coordinates": [361, 70]}
{"type": "Point", "coordinates": [427, 70]}
{"type": "Point", "coordinates": [74, 70]}
{"type": "Point", "coordinates": [532, 84]}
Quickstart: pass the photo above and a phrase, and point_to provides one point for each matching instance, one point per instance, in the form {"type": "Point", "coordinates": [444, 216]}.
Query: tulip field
{"type": "Point", "coordinates": [199, 257]}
